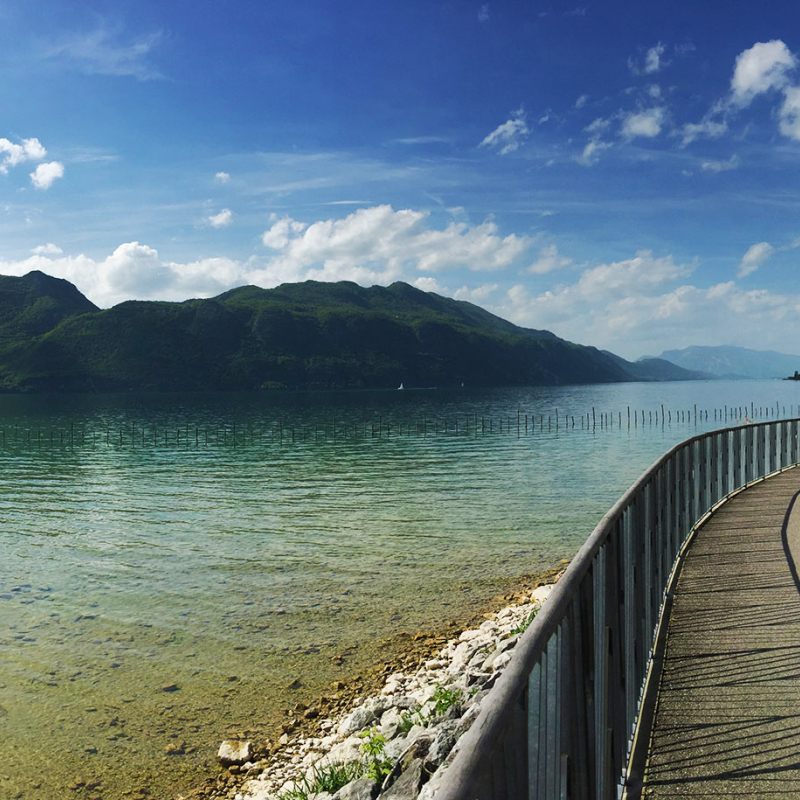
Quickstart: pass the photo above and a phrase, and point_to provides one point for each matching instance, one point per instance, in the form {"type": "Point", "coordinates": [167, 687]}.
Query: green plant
{"type": "Point", "coordinates": [523, 626]}
{"type": "Point", "coordinates": [408, 719]}
{"type": "Point", "coordinates": [443, 698]}
{"type": "Point", "coordinates": [375, 765]}
{"type": "Point", "coordinates": [329, 778]}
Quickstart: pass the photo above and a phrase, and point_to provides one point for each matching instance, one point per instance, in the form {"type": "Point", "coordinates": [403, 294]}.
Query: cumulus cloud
{"type": "Point", "coordinates": [135, 271]}
{"type": "Point", "coordinates": [48, 249]}
{"type": "Point", "coordinates": [222, 177]}
{"type": "Point", "coordinates": [380, 244]}
{"type": "Point", "coordinates": [221, 220]}
{"type": "Point", "coordinates": [644, 304]}
{"type": "Point", "coordinates": [754, 258]}
{"type": "Point", "coordinates": [45, 175]}
{"type": "Point", "coordinates": [478, 295]}
{"type": "Point", "coordinates": [509, 136]}
{"type": "Point", "coordinates": [764, 66]}
{"type": "Point", "coordinates": [721, 166]}
{"type": "Point", "coordinates": [549, 260]}
{"type": "Point", "coordinates": [14, 154]}
{"type": "Point", "coordinates": [652, 62]}
{"type": "Point", "coordinates": [372, 245]}
{"type": "Point", "coordinates": [582, 101]}
{"type": "Point", "coordinates": [428, 284]}
{"type": "Point", "coordinates": [647, 123]}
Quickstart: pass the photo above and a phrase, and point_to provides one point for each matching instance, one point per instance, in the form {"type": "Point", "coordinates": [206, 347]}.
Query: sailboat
{"type": "Point", "coordinates": [400, 387]}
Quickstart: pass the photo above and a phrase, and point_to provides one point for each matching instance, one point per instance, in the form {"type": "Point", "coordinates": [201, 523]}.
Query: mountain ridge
{"type": "Point", "coordinates": [728, 361]}
{"type": "Point", "coordinates": [309, 335]}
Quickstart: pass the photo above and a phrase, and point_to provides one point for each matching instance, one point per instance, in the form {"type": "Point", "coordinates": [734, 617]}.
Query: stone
{"type": "Point", "coordinates": [358, 720]}
{"type": "Point", "coordinates": [362, 789]}
{"type": "Point", "coordinates": [441, 745]}
{"type": "Point", "coordinates": [233, 752]}
{"type": "Point", "coordinates": [407, 786]}
{"type": "Point", "coordinates": [466, 721]}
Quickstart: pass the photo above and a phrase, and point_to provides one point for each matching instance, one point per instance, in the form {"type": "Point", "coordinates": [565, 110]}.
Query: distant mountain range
{"type": "Point", "coordinates": [733, 362]}
{"type": "Point", "coordinates": [301, 336]}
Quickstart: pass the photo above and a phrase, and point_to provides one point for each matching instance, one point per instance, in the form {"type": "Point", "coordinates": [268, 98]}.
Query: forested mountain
{"type": "Point", "coordinates": [302, 336]}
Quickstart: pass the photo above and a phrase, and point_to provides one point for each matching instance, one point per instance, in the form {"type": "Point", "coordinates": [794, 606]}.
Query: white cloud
{"type": "Point", "coordinates": [477, 295]}
{"type": "Point", "coordinates": [641, 305]}
{"type": "Point", "coordinates": [651, 63]}
{"type": "Point", "coordinates": [48, 249]}
{"type": "Point", "coordinates": [483, 13]}
{"type": "Point", "coordinates": [789, 114]}
{"type": "Point", "coordinates": [14, 154]}
{"type": "Point", "coordinates": [222, 177]}
{"type": "Point", "coordinates": [100, 52]}
{"type": "Point", "coordinates": [754, 258]}
{"type": "Point", "coordinates": [45, 175]}
{"type": "Point", "coordinates": [645, 123]}
{"type": "Point", "coordinates": [380, 244]}
{"type": "Point", "coordinates": [549, 260]}
{"type": "Point", "coordinates": [582, 101]}
{"type": "Point", "coordinates": [764, 66]}
{"type": "Point", "coordinates": [221, 220]}
{"type": "Point", "coordinates": [509, 136]}
{"type": "Point", "coordinates": [707, 128]}
{"type": "Point", "coordinates": [721, 166]}
{"type": "Point", "coordinates": [591, 152]}
{"type": "Point", "coordinates": [428, 284]}
{"type": "Point", "coordinates": [373, 245]}
{"type": "Point", "coordinates": [277, 237]}
{"type": "Point", "coordinates": [654, 90]}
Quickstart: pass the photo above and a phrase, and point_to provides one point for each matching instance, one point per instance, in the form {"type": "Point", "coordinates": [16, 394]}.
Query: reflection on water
{"type": "Point", "coordinates": [155, 594]}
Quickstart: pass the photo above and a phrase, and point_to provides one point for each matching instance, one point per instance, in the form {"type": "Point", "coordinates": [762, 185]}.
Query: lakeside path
{"type": "Point", "coordinates": [727, 721]}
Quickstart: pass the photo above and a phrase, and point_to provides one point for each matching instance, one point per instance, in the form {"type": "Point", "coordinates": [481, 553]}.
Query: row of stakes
{"type": "Point", "coordinates": [522, 424]}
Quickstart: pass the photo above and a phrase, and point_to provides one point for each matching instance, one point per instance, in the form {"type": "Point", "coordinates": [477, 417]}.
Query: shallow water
{"type": "Point", "coordinates": [164, 578]}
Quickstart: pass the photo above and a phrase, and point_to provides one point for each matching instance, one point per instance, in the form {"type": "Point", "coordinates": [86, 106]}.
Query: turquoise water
{"type": "Point", "coordinates": [164, 578]}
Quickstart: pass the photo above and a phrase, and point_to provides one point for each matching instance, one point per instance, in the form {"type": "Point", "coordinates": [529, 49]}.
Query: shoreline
{"type": "Point", "coordinates": [312, 727]}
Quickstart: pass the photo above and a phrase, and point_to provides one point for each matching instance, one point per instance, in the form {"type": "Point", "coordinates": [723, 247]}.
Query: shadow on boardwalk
{"type": "Point", "coordinates": [727, 721]}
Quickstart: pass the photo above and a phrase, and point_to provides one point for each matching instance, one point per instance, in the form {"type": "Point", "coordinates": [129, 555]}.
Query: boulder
{"type": "Point", "coordinates": [233, 752]}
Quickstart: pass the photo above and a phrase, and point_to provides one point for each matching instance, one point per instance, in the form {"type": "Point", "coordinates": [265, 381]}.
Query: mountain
{"type": "Point", "coordinates": [734, 362]}
{"type": "Point", "coordinates": [308, 335]}
{"type": "Point", "coordinates": [648, 368]}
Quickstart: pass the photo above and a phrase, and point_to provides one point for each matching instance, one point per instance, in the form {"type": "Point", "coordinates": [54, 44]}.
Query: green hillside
{"type": "Point", "coordinates": [302, 336]}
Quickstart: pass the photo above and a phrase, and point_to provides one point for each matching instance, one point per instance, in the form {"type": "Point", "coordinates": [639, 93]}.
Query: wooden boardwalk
{"type": "Point", "coordinates": [727, 719]}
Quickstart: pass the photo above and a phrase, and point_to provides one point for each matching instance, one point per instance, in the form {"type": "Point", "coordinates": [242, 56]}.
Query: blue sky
{"type": "Point", "coordinates": [622, 173]}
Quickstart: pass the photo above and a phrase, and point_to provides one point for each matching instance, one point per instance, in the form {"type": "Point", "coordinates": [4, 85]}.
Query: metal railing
{"type": "Point", "coordinates": [561, 720]}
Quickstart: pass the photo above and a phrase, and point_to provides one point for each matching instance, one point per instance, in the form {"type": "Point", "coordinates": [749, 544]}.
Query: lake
{"type": "Point", "coordinates": [171, 563]}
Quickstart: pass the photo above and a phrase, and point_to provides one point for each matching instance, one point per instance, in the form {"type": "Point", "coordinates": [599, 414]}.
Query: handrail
{"type": "Point", "coordinates": [561, 719]}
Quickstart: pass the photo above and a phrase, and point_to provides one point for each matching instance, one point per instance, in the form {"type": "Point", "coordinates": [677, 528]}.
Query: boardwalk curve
{"type": "Point", "coordinates": [727, 720]}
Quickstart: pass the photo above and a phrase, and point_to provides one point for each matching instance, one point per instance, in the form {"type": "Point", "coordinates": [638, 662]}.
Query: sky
{"type": "Point", "coordinates": [623, 173]}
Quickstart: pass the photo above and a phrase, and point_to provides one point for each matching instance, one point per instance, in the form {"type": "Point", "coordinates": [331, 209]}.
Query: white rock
{"type": "Point", "coordinates": [233, 752]}
{"type": "Point", "coordinates": [501, 661]}
{"type": "Point", "coordinates": [356, 721]}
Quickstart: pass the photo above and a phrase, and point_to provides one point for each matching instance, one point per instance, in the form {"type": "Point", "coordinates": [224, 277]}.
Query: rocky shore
{"type": "Point", "coordinates": [391, 740]}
